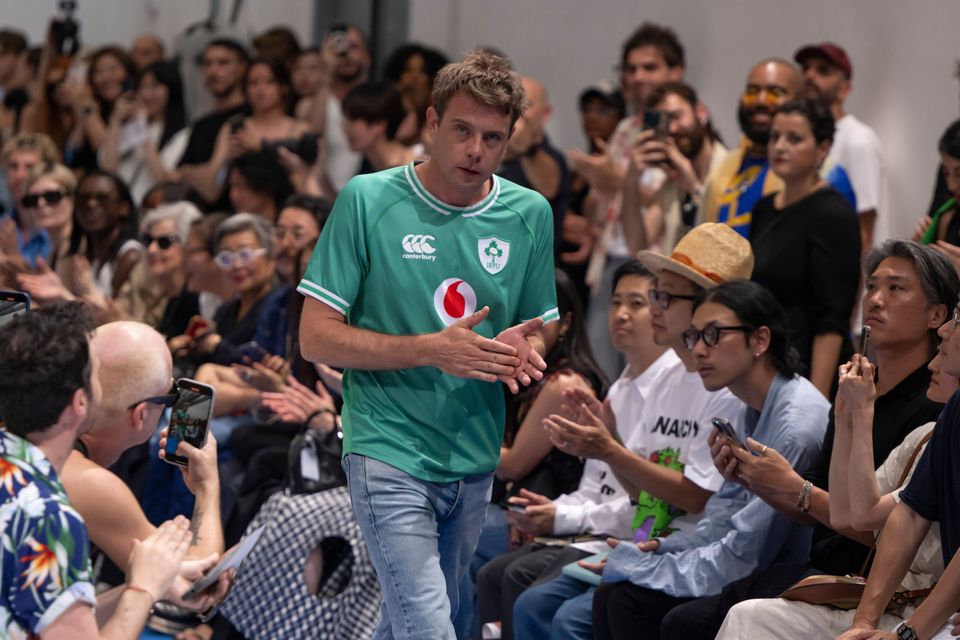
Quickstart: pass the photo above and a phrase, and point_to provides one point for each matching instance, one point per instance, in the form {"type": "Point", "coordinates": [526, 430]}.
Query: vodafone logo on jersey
{"type": "Point", "coordinates": [454, 300]}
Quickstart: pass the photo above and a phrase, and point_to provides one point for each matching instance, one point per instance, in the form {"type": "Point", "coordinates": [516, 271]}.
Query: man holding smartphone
{"type": "Point", "coordinates": [423, 415]}
{"type": "Point", "coordinates": [49, 392]}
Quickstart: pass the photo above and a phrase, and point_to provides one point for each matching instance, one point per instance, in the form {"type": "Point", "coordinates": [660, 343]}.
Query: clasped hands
{"type": "Point", "coordinates": [512, 357]}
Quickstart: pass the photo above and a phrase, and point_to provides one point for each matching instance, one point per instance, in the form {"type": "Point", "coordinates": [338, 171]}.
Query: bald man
{"type": "Point", "coordinates": [146, 50]}
{"type": "Point", "coordinates": [530, 159]}
{"type": "Point", "coordinates": [135, 371]}
{"type": "Point", "coordinates": [744, 177]}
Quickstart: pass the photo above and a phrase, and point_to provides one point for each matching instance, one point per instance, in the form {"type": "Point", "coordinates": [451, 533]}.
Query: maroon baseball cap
{"type": "Point", "coordinates": [834, 53]}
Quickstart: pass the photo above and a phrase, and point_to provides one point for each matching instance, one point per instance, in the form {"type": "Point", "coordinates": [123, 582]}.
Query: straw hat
{"type": "Point", "coordinates": [710, 254]}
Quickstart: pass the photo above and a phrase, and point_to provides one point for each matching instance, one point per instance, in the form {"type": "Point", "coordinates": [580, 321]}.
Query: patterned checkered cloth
{"type": "Point", "coordinates": [270, 598]}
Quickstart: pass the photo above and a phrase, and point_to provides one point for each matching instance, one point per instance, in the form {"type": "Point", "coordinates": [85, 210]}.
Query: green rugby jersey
{"type": "Point", "coordinates": [394, 259]}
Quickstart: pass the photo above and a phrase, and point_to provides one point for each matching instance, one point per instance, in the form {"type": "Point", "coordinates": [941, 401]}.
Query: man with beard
{"type": "Point", "coordinates": [224, 65]}
{"type": "Point", "coordinates": [744, 177]}
{"type": "Point", "coordinates": [855, 164]}
{"type": "Point", "coordinates": [346, 58]}
{"type": "Point", "coordinates": [651, 56]}
{"type": "Point", "coordinates": [658, 217]}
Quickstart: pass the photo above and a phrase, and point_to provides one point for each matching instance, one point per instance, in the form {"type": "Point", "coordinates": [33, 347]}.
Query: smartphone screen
{"type": "Point", "coordinates": [13, 304]}
{"type": "Point", "coordinates": [190, 418]}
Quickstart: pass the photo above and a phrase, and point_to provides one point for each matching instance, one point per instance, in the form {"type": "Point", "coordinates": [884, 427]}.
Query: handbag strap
{"type": "Point", "coordinates": [903, 478]}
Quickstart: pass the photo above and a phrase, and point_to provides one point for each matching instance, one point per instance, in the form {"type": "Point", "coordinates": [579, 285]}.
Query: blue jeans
{"type": "Point", "coordinates": [559, 609]}
{"type": "Point", "coordinates": [421, 536]}
{"type": "Point", "coordinates": [494, 541]}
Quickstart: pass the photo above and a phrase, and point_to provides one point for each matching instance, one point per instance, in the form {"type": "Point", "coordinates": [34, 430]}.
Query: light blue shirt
{"type": "Point", "coordinates": [739, 532]}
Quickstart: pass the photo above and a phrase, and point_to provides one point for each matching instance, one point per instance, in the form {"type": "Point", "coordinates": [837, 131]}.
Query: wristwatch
{"type": "Point", "coordinates": [905, 631]}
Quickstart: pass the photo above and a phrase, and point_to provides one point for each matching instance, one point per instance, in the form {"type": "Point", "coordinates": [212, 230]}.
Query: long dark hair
{"type": "Point", "coordinates": [574, 351]}
{"type": "Point", "coordinates": [128, 229]}
{"type": "Point", "coordinates": [280, 75]}
{"type": "Point", "coordinates": [175, 115]}
{"type": "Point", "coordinates": [106, 108]}
{"type": "Point", "coordinates": [755, 306]}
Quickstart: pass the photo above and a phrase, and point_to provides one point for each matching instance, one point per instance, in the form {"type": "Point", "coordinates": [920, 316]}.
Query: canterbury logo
{"type": "Point", "coordinates": [418, 243]}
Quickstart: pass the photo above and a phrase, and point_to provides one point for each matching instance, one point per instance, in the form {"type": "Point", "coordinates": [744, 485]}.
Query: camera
{"type": "Point", "coordinates": [65, 31]}
{"type": "Point", "coordinates": [305, 146]}
{"type": "Point", "coordinates": [338, 38]}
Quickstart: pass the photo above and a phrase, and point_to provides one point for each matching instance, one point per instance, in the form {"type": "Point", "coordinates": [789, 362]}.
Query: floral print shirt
{"type": "Point", "coordinates": [44, 559]}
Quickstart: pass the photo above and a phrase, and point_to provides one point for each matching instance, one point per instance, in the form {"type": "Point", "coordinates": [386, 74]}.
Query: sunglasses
{"type": "Point", "coordinates": [53, 198]}
{"type": "Point", "coordinates": [772, 96]}
{"type": "Point", "coordinates": [164, 242]}
{"type": "Point", "coordinates": [242, 258]}
{"type": "Point", "coordinates": [665, 299]}
{"type": "Point", "coordinates": [166, 400]}
{"type": "Point", "coordinates": [710, 334]}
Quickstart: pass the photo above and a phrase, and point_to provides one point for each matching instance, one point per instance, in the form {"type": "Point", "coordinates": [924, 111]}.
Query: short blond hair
{"type": "Point", "coordinates": [487, 78]}
{"type": "Point", "coordinates": [56, 172]}
{"type": "Point", "coordinates": [36, 142]}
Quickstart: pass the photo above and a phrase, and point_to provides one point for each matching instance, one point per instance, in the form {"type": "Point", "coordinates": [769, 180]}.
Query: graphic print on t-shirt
{"type": "Point", "coordinates": [454, 300]}
{"type": "Point", "coordinates": [743, 192]}
{"type": "Point", "coordinates": [653, 516]}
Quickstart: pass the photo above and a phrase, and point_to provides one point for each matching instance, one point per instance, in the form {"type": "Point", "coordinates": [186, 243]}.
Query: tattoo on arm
{"type": "Point", "coordinates": [195, 524]}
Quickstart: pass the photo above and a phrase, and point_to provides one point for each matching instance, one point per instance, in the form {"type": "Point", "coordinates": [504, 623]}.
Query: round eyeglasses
{"type": "Point", "coordinates": [242, 257]}
{"type": "Point", "coordinates": [710, 334]}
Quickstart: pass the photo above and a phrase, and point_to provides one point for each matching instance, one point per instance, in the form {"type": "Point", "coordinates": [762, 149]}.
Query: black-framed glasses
{"type": "Point", "coordinates": [711, 334]}
{"type": "Point", "coordinates": [166, 400]}
{"type": "Point", "coordinates": [956, 317]}
{"type": "Point", "coordinates": [51, 197]}
{"type": "Point", "coordinates": [665, 299]}
{"type": "Point", "coordinates": [165, 241]}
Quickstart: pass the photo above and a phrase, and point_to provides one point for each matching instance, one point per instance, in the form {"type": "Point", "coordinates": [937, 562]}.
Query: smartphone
{"type": "Point", "coordinates": [516, 508]}
{"type": "Point", "coordinates": [253, 351]}
{"type": "Point", "coordinates": [864, 339]}
{"type": "Point", "coordinates": [13, 304]}
{"type": "Point", "coordinates": [236, 122]}
{"type": "Point", "coordinates": [723, 425]}
{"type": "Point", "coordinates": [190, 418]}
{"type": "Point", "coordinates": [338, 38]}
{"type": "Point", "coordinates": [198, 326]}
{"type": "Point", "coordinates": [657, 121]}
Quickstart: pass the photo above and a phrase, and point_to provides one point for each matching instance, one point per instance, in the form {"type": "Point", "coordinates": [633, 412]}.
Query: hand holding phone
{"type": "Point", "coordinates": [190, 419]}
{"type": "Point", "coordinates": [725, 428]}
{"type": "Point", "coordinates": [864, 339]}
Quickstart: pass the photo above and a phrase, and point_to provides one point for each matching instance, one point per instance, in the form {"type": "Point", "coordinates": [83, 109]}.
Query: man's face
{"type": "Point", "coordinates": [17, 168]}
{"type": "Point", "coordinates": [895, 307]}
{"type": "Point", "coordinates": [824, 80]}
{"type": "Point", "coordinates": [354, 62]}
{"type": "Point", "coordinates": [529, 127]}
{"type": "Point", "coordinates": [670, 323]}
{"type": "Point", "coordinates": [145, 51]}
{"type": "Point", "coordinates": [630, 328]}
{"type": "Point", "coordinates": [683, 124]}
{"type": "Point", "coordinates": [644, 69]}
{"type": "Point", "coordinates": [731, 358]}
{"type": "Point", "coordinates": [222, 70]}
{"type": "Point", "coordinates": [469, 141]}
{"type": "Point", "coordinates": [95, 395]}
{"type": "Point", "coordinates": [950, 345]}
{"type": "Point", "coordinates": [769, 85]}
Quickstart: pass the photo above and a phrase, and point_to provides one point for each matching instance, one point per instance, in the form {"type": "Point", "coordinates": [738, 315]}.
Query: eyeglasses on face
{"type": "Point", "coordinates": [665, 299]}
{"type": "Point", "coordinates": [710, 334]}
{"type": "Point", "coordinates": [956, 317]}
{"type": "Point", "coordinates": [772, 96]}
{"type": "Point", "coordinates": [166, 400]}
{"type": "Point", "coordinates": [164, 241]}
{"type": "Point", "coordinates": [242, 257]}
{"type": "Point", "coordinates": [52, 198]}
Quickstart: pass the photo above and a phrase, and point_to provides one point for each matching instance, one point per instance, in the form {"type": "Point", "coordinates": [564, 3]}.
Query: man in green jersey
{"type": "Point", "coordinates": [429, 285]}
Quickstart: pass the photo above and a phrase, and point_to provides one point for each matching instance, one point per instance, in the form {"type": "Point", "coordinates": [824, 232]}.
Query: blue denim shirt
{"type": "Point", "coordinates": [739, 532]}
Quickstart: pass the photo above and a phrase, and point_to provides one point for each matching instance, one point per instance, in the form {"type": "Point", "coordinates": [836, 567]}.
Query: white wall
{"type": "Point", "coordinates": [104, 21]}
{"type": "Point", "coordinates": [903, 55]}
